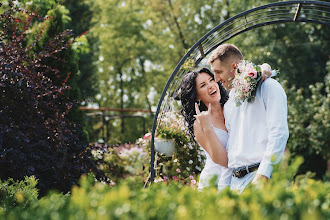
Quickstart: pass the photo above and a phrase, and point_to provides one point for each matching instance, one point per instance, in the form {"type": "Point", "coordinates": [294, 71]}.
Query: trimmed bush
{"type": "Point", "coordinates": [281, 198]}
{"type": "Point", "coordinates": [18, 193]}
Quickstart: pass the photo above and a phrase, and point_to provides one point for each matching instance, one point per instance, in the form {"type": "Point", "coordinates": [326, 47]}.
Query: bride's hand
{"type": "Point", "coordinates": [204, 118]}
{"type": "Point", "coordinates": [265, 71]}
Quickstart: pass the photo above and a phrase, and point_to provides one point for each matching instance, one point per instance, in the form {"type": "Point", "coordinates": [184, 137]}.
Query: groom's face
{"type": "Point", "coordinates": [223, 72]}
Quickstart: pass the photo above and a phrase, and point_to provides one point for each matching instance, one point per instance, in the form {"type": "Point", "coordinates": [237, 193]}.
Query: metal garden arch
{"type": "Point", "coordinates": [274, 13]}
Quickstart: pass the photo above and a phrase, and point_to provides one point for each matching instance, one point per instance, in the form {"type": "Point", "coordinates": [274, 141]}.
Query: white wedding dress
{"type": "Point", "coordinates": [210, 169]}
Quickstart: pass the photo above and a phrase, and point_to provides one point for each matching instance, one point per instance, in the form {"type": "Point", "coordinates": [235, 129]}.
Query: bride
{"type": "Point", "coordinates": [200, 92]}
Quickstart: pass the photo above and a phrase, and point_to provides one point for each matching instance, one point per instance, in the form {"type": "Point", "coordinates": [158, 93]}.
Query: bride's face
{"type": "Point", "coordinates": [207, 89]}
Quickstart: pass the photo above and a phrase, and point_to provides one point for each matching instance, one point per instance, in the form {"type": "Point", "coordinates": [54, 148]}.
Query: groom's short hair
{"type": "Point", "coordinates": [224, 52]}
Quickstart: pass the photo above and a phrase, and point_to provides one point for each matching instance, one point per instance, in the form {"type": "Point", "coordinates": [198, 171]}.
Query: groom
{"type": "Point", "coordinates": [258, 131]}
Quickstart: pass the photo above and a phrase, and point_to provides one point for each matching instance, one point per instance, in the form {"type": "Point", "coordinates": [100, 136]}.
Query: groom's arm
{"type": "Point", "coordinates": [275, 102]}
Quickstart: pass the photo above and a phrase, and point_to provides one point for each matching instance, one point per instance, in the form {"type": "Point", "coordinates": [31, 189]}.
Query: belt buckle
{"type": "Point", "coordinates": [238, 173]}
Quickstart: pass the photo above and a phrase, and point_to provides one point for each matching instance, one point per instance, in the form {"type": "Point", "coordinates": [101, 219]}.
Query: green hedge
{"type": "Point", "coordinates": [279, 199]}
{"type": "Point", "coordinates": [18, 193]}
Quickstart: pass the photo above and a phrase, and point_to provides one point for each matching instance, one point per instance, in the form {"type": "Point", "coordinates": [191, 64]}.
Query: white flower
{"type": "Point", "coordinates": [158, 180]}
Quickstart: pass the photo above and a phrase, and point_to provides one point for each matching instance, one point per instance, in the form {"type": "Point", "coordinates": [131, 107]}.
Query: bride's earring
{"type": "Point", "coordinates": [199, 103]}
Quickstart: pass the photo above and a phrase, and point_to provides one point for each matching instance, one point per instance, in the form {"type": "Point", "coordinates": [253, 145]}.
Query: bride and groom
{"type": "Point", "coordinates": [241, 143]}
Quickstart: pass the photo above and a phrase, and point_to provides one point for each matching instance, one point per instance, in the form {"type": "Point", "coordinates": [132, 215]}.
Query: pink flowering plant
{"type": "Point", "coordinates": [186, 163]}
{"type": "Point", "coordinates": [178, 179]}
{"type": "Point", "coordinates": [121, 161]}
{"type": "Point", "coordinates": [145, 141]}
{"type": "Point", "coordinates": [171, 126]}
{"type": "Point", "coordinates": [247, 79]}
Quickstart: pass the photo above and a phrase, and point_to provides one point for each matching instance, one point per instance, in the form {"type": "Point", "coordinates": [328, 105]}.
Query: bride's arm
{"type": "Point", "coordinates": [207, 138]}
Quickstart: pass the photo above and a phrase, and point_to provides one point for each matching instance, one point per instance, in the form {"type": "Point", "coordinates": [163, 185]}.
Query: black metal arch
{"type": "Point", "coordinates": [280, 12]}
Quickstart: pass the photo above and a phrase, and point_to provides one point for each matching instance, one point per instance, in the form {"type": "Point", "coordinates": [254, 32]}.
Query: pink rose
{"type": "Point", "coordinates": [147, 136]}
{"type": "Point", "coordinates": [174, 177]}
{"type": "Point", "coordinates": [253, 75]}
{"type": "Point", "coordinates": [178, 170]}
{"type": "Point", "coordinates": [246, 89]}
{"type": "Point", "coordinates": [251, 71]}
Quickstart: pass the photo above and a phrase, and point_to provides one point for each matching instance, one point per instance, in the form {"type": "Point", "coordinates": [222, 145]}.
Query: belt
{"type": "Point", "coordinates": [242, 171]}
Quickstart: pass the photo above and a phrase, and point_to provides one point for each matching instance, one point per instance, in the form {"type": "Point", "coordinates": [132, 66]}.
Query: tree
{"type": "Point", "coordinates": [140, 50]}
{"type": "Point", "coordinates": [309, 125]}
{"type": "Point", "coordinates": [76, 16]}
{"type": "Point", "coordinates": [81, 14]}
{"type": "Point", "coordinates": [124, 71]}
{"type": "Point", "coordinates": [37, 137]}
{"type": "Point", "coordinates": [299, 51]}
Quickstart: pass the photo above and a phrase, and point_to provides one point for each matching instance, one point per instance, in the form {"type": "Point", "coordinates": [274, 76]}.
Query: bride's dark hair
{"type": "Point", "coordinates": [188, 96]}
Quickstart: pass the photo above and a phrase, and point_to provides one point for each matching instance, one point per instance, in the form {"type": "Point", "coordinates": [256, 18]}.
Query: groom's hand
{"type": "Point", "coordinates": [258, 178]}
{"type": "Point", "coordinates": [265, 71]}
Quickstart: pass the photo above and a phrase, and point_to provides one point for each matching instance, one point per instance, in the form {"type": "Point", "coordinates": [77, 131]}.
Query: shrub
{"type": "Point", "coordinates": [18, 193]}
{"type": "Point", "coordinates": [109, 162]}
{"type": "Point", "coordinates": [281, 198]}
{"type": "Point", "coordinates": [309, 125]}
{"type": "Point", "coordinates": [120, 162]}
{"type": "Point", "coordinates": [36, 136]}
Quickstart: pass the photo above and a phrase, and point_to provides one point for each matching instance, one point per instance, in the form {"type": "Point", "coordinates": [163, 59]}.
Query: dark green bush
{"type": "Point", "coordinates": [37, 135]}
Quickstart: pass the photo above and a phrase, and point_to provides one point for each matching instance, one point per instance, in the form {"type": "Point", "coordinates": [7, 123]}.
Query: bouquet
{"type": "Point", "coordinates": [247, 79]}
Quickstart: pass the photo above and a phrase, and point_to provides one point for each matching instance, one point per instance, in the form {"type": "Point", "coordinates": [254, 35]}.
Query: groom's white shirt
{"type": "Point", "coordinates": [258, 131]}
